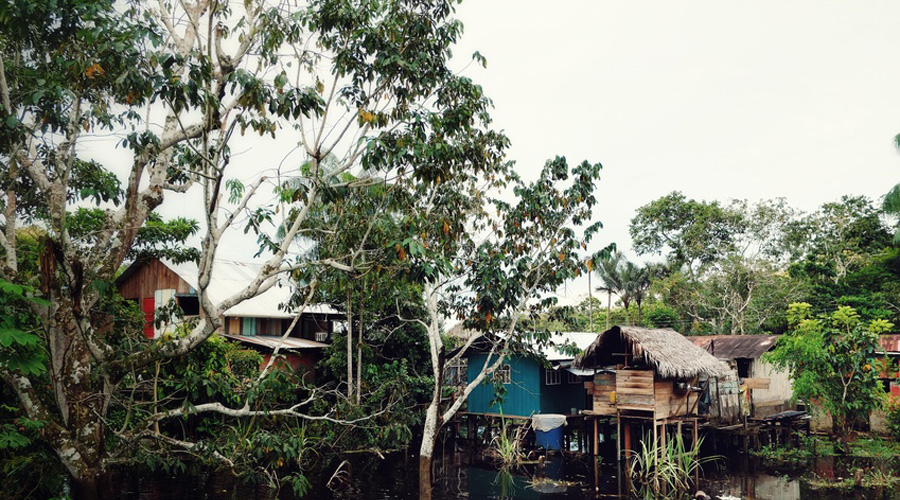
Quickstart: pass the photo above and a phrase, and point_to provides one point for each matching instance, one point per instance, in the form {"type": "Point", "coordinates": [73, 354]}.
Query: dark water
{"type": "Point", "coordinates": [464, 476]}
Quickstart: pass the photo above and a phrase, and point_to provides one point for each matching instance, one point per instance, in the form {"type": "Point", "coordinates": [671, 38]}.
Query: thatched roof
{"type": "Point", "coordinates": [668, 352]}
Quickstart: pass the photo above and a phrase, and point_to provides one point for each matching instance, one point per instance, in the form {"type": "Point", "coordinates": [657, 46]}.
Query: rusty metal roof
{"type": "Point", "coordinates": [754, 346]}
{"type": "Point", "coordinates": [735, 346]}
{"type": "Point", "coordinates": [890, 343]}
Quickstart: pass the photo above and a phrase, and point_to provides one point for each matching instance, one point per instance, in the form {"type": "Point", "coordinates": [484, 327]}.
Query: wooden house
{"type": "Point", "coordinates": [646, 376]}
{"type": "Point", "coordinates": [542, 381]}
{"type": "Point", "coordinates": [756, 387]}
{"type": "Point", "coordinates": [257, 323]}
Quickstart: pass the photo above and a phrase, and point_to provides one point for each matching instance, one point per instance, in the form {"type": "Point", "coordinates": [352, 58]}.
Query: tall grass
{"type": "Point", "coordinates": [507, 444]}
{"type": "Point", "coordinates": [667, 470]}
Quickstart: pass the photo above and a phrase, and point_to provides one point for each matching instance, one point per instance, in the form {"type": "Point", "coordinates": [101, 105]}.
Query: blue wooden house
{"type": "Point", "coordinates": [534, 385]}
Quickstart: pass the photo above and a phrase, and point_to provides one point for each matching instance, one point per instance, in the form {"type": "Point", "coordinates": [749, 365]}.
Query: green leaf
{"type": "Point", "coordinates": [10, 336]}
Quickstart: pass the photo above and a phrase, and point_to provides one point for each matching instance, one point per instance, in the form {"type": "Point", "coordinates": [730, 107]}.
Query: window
{"type": "Point", "coordinates": [743, 367]}
{"type": "Point", "coordinates": [456, 372]}
{"type": "Point", "coordinates": [190, 304]}
{"type": "Point", "coordinates": [572, 378]}
{"type": "Point", "coordinates": [321, 336]}
{"type": "Point", "coordinates": [552, 377]}
{"type": "Point", "coordinates": [503, 375]}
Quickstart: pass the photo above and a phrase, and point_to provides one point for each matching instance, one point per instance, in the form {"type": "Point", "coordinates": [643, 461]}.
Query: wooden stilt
{"type": "Point", "coordinates": [694, 443]}
{"type": "Point", "coordinates": [694, 421]}
{"type": "Point", "coordinates": [662, 436]}
{"type": "Point", "coordinates": [627, 443]}
{"type": "Point", "coordinates": [618, 437]}
{"type": "Point", "coordinates": [596, 437]}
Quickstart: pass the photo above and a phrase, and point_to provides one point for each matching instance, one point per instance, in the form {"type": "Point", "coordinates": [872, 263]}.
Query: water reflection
{"type": "Point", "coordinates": [466, 476]}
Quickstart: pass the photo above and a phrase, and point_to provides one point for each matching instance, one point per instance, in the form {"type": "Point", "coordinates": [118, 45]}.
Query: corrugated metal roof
{"type": "Point", "coordinates": [581, 339]}
{"type": "Point", "coordinates": [754, 346]}
{"type": "Point", "coordinates": [289, 344]}
{"type": "Point", "coordinates": [580, 372]}
{"type": "Point", "coordinates": [229, 278]}
{"type": "Point", "coordinates": [735, 346]}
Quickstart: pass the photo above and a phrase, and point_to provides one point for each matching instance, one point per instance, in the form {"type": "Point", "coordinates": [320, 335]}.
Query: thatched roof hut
{"type": "Point", "coordinates": [668, 352]}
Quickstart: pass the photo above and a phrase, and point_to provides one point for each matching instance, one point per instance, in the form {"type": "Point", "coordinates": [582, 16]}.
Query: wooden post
{"type": "Point", "coordinates": [618, 437]}
{"type": "Point", "coordinates": [694, 443]}
{"type": "Point", "coordinates": [656, 449]}
{"type": "Point", "coordinates": [627, 443]}
{"type": "Point", "coordinates": [662, 427]}
{"type": "Point", "coordinates": [596, 437]}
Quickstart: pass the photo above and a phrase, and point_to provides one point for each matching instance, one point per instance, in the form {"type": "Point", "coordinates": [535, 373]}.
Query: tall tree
{"type": "Point", "coordinates": [532, 248]}
{"type": "Point", "coordinates": [891, 206]}
{"type": "Point", "coordinates": [178, 83]}
{"type": "Point", "coordinates": [636, 282]}
{"type": "Point", "coordinates": [609, 270]}
{"type": "Point", "coordinates": [693, 233]}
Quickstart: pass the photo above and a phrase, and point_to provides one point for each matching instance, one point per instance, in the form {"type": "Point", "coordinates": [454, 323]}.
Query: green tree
{"type": "Point", "coordinates": [609, 270]}
{"type": "Point", "coordinates": [693, 233]}
{"type": "Point", "coordinates": [741, 283]}
{"type": "Point", "coordinates": [493, 283]}
{"type": "Point", "coordinates": [636, 280]}
{"type": "Point", "coordinates": [842, 254]}
{"type": "Point", "coordinates": [832, 360]}
{"type": "Point", "coordinates": [891, 206]}
{"type": "Point", "coordinates": [362, 89]}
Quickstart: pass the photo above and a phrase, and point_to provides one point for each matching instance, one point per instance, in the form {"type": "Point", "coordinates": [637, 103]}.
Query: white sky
{"type": "Point", "coordinates": [717, 99]}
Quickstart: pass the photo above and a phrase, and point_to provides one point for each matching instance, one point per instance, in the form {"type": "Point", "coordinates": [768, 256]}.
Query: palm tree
{"type": "Point", "coordinates": [891, 205]}
{"type": "Point", "coordinates": [609, 272]}
{"type": "Point", "coordinates": [636, 281]}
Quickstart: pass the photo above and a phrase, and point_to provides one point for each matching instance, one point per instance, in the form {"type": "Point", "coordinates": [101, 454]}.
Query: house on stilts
{"type": "Point", "coordinates": [646, 380]}
{"type": "Point", "coordinates": [756, 388]}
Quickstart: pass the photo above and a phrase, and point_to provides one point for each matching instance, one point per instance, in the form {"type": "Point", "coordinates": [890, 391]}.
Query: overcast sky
{"type": "Point", "coordinates": [717, 99]}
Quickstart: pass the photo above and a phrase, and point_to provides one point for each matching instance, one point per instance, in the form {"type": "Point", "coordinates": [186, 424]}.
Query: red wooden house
{"type": "Point", "coordinates": [258, 323]}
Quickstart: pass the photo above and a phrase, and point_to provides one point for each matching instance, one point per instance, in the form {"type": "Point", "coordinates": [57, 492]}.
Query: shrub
{"type": "Point", "coordinates": [892, 412]}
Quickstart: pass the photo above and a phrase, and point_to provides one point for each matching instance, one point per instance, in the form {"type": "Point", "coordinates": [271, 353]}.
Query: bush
{"type": "Point", "coordinates": [892, 411]}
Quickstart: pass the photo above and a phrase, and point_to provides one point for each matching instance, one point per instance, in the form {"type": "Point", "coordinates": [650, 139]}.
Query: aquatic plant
{"type": "Point", "coordinates": [506, 444]}
{"type": "Point", "coordinates": [506, 482]}
{"type": "Point", "coordinates": [662, 470]}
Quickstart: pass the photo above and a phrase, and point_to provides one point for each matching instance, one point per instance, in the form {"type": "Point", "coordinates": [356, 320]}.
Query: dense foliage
{"type": "Point", "coordinates": [833, 363]}
{"type": "Point", "coordinates": [733, 268]}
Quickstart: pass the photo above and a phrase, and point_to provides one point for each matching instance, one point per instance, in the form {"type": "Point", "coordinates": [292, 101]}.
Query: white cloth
{"type": "Point", "coordinates": [547, 421]}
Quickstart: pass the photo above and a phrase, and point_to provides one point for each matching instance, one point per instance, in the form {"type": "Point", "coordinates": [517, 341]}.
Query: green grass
{"type": "Point", "coordinates": [661, 471]}
{"type": "Point", "coordinates": [870, 479]}
{"type": "Point", "coordinates": [874, 448]}
{"type": "Point", "coordinates": [814, 446]}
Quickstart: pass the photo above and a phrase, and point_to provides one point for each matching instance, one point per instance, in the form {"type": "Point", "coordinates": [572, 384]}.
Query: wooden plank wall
{"type": "Point", "coordinates": [671, 403]}
{"type": "Point", "coordinates": [634, 388]}
{"type": "Point", "coordinates": [603, 390]}
{"type": "Point", "coordinates": [150, 277]}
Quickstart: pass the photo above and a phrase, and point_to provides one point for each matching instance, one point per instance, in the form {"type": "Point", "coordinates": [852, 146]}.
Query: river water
{"type": "Point", "coordinates": [463, 476]}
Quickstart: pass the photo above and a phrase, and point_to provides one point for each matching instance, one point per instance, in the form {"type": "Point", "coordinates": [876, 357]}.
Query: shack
{"type": "Point", "coordinates": [646, 376]}
{"type": "Point", "coordinates": [762, 389]}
